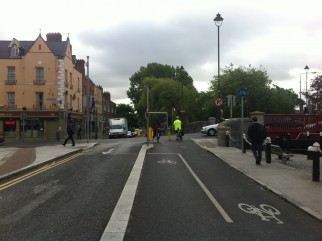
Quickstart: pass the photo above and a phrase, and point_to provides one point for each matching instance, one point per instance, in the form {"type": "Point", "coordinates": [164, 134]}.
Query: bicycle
{"type": "Point", "coordinates": [179, 135]}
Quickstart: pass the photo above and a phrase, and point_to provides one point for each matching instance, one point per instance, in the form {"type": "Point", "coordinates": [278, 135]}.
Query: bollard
{"type": "Point", "coordinates": [268, 151]}
{"type": "Point", "coordinates": [310, 153]}
{"type": "Point", "coordinates": [227, 138]}
{"type": "Point", "coordinates": [169, 135]}
{"type": "Point", "coordinates": [316, 162]}
{"type": "Point", "coordinates": [244, 143]}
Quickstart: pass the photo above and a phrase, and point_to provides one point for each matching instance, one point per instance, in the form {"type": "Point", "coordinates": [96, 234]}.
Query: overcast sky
{"type": "Point", "coordinates": [120, 36]}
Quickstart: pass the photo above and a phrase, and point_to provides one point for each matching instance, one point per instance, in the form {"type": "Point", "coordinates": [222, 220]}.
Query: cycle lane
{"type": "Point", "coordinates": [171, 205]}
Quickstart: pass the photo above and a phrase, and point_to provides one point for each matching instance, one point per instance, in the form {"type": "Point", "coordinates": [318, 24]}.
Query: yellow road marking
{"type": "Point", "coordinates": [37, 171]}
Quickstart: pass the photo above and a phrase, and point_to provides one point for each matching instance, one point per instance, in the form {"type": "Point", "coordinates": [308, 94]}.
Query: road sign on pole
{"type": "Point", "coordinates": [218, 102]}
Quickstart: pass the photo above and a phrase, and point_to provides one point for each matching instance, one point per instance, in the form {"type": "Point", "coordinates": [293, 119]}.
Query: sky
{"type": "Point", "coordinates": [120, 36]}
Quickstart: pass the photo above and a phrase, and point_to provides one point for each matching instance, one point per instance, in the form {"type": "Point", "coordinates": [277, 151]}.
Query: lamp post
{"type": "Point", "coordinates": [87, 100]}
{"type": "Point", "coordinates": [218, 21]}
{"type": "Point", "coordinates": [306, 68]}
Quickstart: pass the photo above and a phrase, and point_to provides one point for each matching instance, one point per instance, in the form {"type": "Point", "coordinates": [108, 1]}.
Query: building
{"type": "Point", "coordinates": [39, 88]}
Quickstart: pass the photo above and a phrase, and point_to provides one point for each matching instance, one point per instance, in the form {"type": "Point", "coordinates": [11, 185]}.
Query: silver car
{"type": "Point", "coordinates": [210, 130]}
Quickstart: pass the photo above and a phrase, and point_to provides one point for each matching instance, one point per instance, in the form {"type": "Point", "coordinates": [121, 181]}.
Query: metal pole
{"type": "Point", "coordinates": [242, 123]}
{"type": "Point", "coordinates": [87, 100]}
{"type": "Point", "coordinates": [306, 88]}
{"type": "Point", "coordinates": [218, 62]}
{"type": "Point", "coordinates": [147, 113]}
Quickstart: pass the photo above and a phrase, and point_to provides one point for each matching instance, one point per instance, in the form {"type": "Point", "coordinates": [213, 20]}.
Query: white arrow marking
{"type": "Point", "coordinates": [107, 152]}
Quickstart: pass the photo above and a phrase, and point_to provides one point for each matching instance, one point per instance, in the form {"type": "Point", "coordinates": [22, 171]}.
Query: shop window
{"type": "Point", "coordinates": [34, 128]}
{"type": "Point", "coordinates": [9, 125]}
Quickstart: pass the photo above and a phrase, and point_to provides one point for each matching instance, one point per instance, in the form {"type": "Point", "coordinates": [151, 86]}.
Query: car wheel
{"type": "Point", "coordinates": [211, 132]}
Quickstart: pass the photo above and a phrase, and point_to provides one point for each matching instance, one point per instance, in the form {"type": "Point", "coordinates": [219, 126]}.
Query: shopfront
{"type": "Point", "coordinates": [36, 125]}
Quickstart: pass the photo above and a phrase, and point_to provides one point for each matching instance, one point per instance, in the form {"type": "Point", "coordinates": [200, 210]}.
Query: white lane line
{"type": "Point", "coordinates": [210, 196]}
{"type": "Point", "coordinates": [116, 227]}
{"type": "Point", "coordinates": [107, 152]}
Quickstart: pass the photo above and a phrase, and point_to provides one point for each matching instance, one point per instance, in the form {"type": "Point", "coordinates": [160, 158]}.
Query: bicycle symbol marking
{"type": "Point", "coordinates": [265, 211]}
{"type": "Point", "coordinates": [167, 162]}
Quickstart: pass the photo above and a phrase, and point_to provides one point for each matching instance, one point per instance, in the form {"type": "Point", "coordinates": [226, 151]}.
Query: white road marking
{"type": "Point", "coordinates": [116, 227]}
{"type": "Point", "coordinates": [107, 152]}
{"type": "Point", "coordinates": [205, 189]}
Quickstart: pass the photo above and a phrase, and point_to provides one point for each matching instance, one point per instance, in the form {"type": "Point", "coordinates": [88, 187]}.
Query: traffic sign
{"type": "Point", "coordinates": [242, 92]}
{"type": "Point", "coordinates": [218, 102]}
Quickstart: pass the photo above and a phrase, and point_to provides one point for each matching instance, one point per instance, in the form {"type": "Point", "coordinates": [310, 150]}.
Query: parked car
{"type": "Point", "coordinates": [209, 130]}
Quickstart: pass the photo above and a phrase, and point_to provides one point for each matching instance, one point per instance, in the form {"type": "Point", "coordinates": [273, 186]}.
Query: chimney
{"type": "Point", "coordinates": [80, 66]}
{"type": "Point", "coordinates": [54, 37]}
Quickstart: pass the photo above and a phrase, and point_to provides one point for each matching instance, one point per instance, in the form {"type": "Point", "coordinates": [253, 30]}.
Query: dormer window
{"type": "Point", "coordinates": [14, 48]}
{"type": "Point", "coordinates": [14, 52]}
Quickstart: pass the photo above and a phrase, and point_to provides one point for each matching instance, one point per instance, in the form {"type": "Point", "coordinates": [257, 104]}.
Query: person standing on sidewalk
{"type": "Point", "coordinates": [70, 134]}
{"type": "Point", "coordinates": [256, 132]}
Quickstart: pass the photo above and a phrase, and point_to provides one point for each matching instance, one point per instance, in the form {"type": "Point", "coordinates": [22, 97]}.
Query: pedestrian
{"type": "Point", "coordinates": [256, 132]}
{"type": "Point", "coordinates": [70, 134]}
{"type": "Point", "coordinates": [79, 132]}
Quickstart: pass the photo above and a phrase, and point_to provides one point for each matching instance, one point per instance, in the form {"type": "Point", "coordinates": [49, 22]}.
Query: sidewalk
{"type": "Point", "coordinates": [292, 181]}
{"type": "Point", "coordinates": [19, 158]}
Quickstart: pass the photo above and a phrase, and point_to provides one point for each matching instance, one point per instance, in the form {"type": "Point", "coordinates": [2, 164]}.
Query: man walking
{"type": "Point", "coordinates": [256, 132]}
{"type": "Point", "coordinates": [70, 133]}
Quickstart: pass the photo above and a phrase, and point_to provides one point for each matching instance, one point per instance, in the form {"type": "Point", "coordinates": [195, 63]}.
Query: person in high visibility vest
{"type": "Point", "coordinates": [177, 128]}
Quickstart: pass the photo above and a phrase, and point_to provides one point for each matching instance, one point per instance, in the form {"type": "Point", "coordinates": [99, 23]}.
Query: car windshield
{"type": "Point", "coordinates": [116, 127]}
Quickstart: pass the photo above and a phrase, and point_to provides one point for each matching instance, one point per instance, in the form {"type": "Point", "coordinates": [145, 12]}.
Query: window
{"type": "Point", "coordinates": [39, 100]}
{"type": "Point", "coordinates": [71, 80]}
{"type": "Point", "coordinates": [40, 80]}
{"type": "Point", "coordinates": [66, 78]}
{"type": "Point", "coordinates": [9, 126]}
{"type": "Point", "coordinates": [11, 100]}
{"type": "Point", "coordinates": [14, 52]}
{"type": "Point", "coordinates": [11, 78]}
{"type": "Point", "coordinates": [34, 127]}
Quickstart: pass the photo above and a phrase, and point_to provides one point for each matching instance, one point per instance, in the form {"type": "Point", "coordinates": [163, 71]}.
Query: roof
{"type": "Point", "coordinates": [58, 48]}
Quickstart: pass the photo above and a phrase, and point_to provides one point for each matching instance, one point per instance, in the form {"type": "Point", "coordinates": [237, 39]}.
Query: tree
{"type": "Point", "coordinates": [314, 95]}
{"type": "Point", "coordinates": [127, 111]}
{"type": "Point", "coordinates": [157, 71]}
{"type": "Point", "coordinates": [261, 96]}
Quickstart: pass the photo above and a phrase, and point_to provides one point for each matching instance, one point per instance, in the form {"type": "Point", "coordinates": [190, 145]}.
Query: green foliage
{"type": "Point", "coordinates": [261, 96]}
{"type": "Point", "coordinates": [155, 70]}
{"type": "Point", "coordinates": [127, 111]}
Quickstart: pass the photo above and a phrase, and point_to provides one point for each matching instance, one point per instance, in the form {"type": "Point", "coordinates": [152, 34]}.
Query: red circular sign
{"type": "Point", "coordinates": [218, 102]}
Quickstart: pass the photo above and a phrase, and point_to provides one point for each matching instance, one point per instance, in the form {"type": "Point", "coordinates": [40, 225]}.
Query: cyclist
{"type": "Point", "coordinates": [177, 128]}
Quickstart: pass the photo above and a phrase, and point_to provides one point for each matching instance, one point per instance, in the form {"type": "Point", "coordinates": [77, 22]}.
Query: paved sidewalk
{"type": "Point", "coordinates": [292, 181]}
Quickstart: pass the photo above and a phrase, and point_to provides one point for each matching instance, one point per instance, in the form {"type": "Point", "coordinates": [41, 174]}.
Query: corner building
{"type": "Point", "coordinates": [40, 88]}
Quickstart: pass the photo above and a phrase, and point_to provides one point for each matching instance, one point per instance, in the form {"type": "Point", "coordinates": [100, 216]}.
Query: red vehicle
{"type": "Point", "coordinates": [295, 128]}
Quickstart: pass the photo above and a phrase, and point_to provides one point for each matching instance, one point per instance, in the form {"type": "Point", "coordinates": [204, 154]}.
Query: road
{"type": "Point", "coordinates": [184, 193]}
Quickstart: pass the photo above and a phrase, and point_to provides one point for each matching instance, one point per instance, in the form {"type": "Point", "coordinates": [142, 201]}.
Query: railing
{"type": "Point", "coordinates": [39, 82]}
{"type": "Point", "coordinates": [11, 82]}
{"type": "Point", "coordinates": [9, 107]}
{"type": "Point", "coordinates": [39, 107]}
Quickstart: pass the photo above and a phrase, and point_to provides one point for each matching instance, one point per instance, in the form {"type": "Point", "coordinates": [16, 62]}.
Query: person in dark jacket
{"type": "Point", "coordinates": [256, 133]}
{"type": "Point", "coordinates": [70, 133]}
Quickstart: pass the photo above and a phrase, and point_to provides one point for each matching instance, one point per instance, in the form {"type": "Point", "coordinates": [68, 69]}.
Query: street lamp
{"type": "Point", "coordinates": [306, 68]}
{"type": "Point", "coordinates": [218, 21]}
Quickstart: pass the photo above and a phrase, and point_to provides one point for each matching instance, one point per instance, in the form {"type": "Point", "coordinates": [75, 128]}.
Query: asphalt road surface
{"type": "Point", "coordinates": [71, 201]}
{"type": "Point", "coordinates": [184, 193]}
